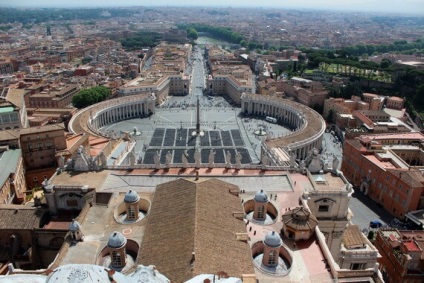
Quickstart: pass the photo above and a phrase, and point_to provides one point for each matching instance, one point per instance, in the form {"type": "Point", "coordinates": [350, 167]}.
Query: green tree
{"type": "Point", "coordinates": [89, 96]}
{"type": "Point", "coordinates": [192, 33]}
{"type": "Point", "coordinates": [385, 63]}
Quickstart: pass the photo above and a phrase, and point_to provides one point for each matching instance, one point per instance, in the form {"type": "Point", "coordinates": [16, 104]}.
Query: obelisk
{"type": "Point", "coordinates": [198, 118]}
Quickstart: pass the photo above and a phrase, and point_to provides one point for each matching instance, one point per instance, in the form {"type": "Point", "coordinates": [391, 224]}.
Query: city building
{"type": "Point", "coordinates": [13, 114]}
{"type": "Point", "coordinates": [401, 255]}
{"type": "Point", "coordinates": [375, 101]}
{"type": "Point", "coordinates": [51, 96]}
{"type": "Point", "coordinates": [166, 76]}
{"type": "Point", "coordinates": [228, 75]}
{"type": "Point", "coordinates": [387, 168]}
{"type": "Point", "coordinates": [305, 91]}
{"type": "Point", "coordinates": [12, 178]}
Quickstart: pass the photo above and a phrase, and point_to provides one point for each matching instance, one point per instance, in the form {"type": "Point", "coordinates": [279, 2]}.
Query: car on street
{"type": "Point", "coordinates": [376, 224]}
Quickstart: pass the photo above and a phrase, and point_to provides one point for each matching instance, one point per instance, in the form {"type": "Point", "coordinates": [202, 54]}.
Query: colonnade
{"type": "Point", "coordinates": [116, 113]}
{"type": "Point", "coordinates": [284, 113]}
{"type": "Point", "coordinates": [92, 118]}
{"type": "Point", "coordinates": [298, 116]}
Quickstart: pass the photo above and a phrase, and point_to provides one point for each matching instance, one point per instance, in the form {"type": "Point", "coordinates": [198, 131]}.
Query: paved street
{"type": "Point", "coordinates": [366, 210]}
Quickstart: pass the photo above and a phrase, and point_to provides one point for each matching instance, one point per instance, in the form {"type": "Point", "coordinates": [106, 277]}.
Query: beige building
{"type": "Point", "coordinates": [394, 102]}
{"type": "Point", "coordinates": [357, 252]}
{"type": "Point", "coordinates": [305, 91]}
{"type": "Point", "coordinates": [229, 76]}
{"type": "Point", "coordinates": [375, 101]}
{"type": "Point", "coordinates": [13, 114]}
{"type": "Point", "coordinates": [52, 96]}
{"type": "Point", "coordinates": [39, 146]}
{"type": "Point", "coordinates": [167, 75]}
{"type": "Point", "coordinates": [12, 178]}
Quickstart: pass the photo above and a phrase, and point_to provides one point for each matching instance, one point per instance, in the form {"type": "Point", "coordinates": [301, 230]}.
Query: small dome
{"type": "Point", "coordinates": [131, 197]}
{"type": "Point", "coordinates": [272, 240]}
{"type": "Point", "coordinates": [82, 273]}
{"type": "Point", "coordinates": [116, 240]}
{"type": "Point", "coordinates": [261, 196]}
{"type": "Point", "coordinates": [74, 226]}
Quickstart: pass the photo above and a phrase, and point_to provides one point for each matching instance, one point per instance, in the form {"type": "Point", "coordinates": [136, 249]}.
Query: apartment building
{"type": "Point", "coordinates": [51, 96]}
{"type": "Point", "coordinates": [305, 91]}
{"type": "Point", "coordinates": [394, 102]}
{"type": "Point", "coordinates": [401, 255]}
{"type": "Point", "coordinates": [165, 77]}
{"type": "Point", "coordinates": [375, 101]}
{"type": "Point", "coordinates": [39, 146]}
{"type": "Point", "coordinates": [229, 76]}
{"type": "Point", "coordinates": [338, 106]}
{"type": "Point", "coordinates": [6, 66]}
{"type": "Point", "coordinates": [12, 178]}
{"type": "Point", "coordinates": [386, 167]}
{"type": "Point", "coordinates": [13, 113]}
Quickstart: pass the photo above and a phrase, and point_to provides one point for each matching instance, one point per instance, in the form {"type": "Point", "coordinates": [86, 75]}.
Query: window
{"type": "Point", "coordinates": [261, 210]}
{"type": "Point", "coordinates": [131, 212]}
{"type": "Point", "coordinates": [273, 258]}
{"type": "Point", "coordinates": [357, 266]}
{"type": "Point", "coordinates": [116, 258]}
{"type": "Point", "coordinates": [323, 208]}
{"type": "Point", "coordinates": [72, 203]}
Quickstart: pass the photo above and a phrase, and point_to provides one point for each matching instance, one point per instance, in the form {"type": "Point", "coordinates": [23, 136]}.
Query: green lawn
{"type": "Point", "coordinates": [354, 71]}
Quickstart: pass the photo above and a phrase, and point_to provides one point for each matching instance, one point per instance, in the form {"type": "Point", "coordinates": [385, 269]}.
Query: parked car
{"type": "Point", "coordinates": [375, 224]}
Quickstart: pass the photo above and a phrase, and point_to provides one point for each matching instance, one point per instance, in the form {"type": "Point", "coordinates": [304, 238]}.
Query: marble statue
{"type": "Point", "coordinates": [335, 163]}
{"type": "Point", "coordinates": [184, 159]}
{"type": "Point", "coordinates": [61, 162]}
{"type": "Point", "coordinates": [131, 158]}
{"type": "Point", "coordinates": [156, 159]}
{"type": "Point", "coordinates": [211, 158]}
{"type": "Point", "coordinates": [168, 158]}
{"type": "Point", "coordinates": [197, 157]}
{"type": "Point", "coordinates": [292, 160]}
{"type": "Point", "coordinates": [238, 160]}
{"type": "Point", "coordinates": [228, 157]}
{"type": "Point", "coordinates": [265, 161]}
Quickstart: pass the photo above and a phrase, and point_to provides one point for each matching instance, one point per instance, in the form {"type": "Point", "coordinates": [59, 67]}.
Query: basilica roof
{"type": "Point", "coordinates": [191, 230]}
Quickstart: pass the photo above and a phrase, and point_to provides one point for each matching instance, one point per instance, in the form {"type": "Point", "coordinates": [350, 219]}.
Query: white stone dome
{"type": "Point", "coordinates": [116, 240]}
{"type": "Point", "coordinates": [131, 197]}
{"type": "Point", "coordinates": [261, 196]}
{"type": "Point", "coordinates": [74, 226]}
{"type": "Point", "coordinates": [272, 240]}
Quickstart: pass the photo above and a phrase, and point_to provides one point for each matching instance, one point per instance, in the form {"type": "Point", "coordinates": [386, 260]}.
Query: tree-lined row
{"type": "Point", "coordinates": [141, 39]}
{"type": "Point", "coordinates": [222, 33]}
{"type": "Point", "coordinates": [397, 46]}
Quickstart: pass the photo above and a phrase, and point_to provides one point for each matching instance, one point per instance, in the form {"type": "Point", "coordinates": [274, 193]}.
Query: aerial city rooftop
{"type": "Point", "coordinates": [170, 144]}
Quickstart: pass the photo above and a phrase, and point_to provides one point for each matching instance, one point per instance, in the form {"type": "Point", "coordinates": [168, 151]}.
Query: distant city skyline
{"type": "Point", "coordinates": [387, 6]}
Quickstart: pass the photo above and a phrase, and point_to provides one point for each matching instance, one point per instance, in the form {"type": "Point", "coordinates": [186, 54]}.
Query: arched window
{"type": "Point", "coordinates": [261, 210]}
{"type": "Point", "coordinates": [273, 257]}
{"type": "Point", "coordinates": [116, 258]}
{"type": "Point", "coordinates": [131, 212]}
